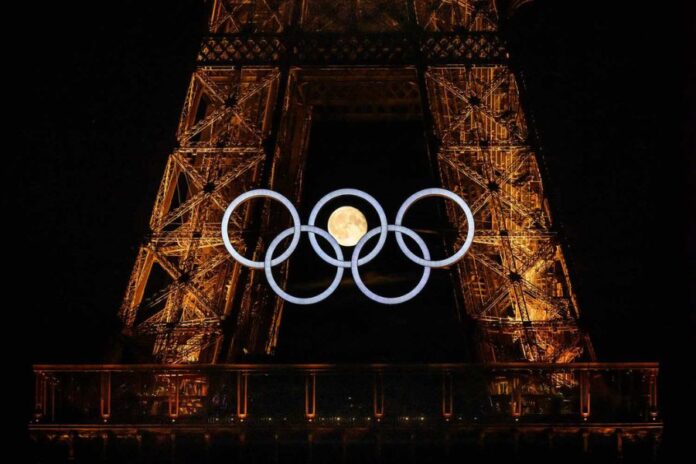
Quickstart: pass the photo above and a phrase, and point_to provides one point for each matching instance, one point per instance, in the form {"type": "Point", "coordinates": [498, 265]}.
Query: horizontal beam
{"type": "Point", "coordinates": [323, 367]}
{"type": "Point", "coordinates": [353, 49]}
{"type": "Point", "coordinates": [568, 427]}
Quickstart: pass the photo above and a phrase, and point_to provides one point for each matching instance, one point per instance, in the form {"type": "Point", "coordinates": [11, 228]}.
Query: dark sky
{"type": "Point", "coordinates": [606, 86]}
{"type": "Point", "coordinates": [98, 97]}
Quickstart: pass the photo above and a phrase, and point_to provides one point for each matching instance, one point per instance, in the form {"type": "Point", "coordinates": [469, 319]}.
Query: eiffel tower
{"type": "Point", "coordinates": [267, 73]}
{"type": "Point", "coordinates": [269, 69]}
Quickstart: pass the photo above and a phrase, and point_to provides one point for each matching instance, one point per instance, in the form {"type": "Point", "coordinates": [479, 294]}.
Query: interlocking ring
{"type": "Point", "coordinates": [355, 193]}
{"type": "Point", "coordinates": [436, 192]}
{"type": "Point", "coordinates": [282, 293]}
{"type": "Point", "coordinates": [356, 261]}
{"type": "Point", "coordinates": [260, 193]}
{"type": "Point", "coordinates": [383, 299]}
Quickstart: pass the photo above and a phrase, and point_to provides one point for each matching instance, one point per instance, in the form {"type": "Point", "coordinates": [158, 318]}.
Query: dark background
{"type": "Point", "coordinates": [390, 161]}
{"type": "Point", "coordinates": [97, 89]}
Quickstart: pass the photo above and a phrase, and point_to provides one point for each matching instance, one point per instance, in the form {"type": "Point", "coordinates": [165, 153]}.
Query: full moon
{"type": "Point", "coordinates": [347, 225]}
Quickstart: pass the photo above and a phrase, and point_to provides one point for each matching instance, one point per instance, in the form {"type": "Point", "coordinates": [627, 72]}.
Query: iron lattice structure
{"type": "Point", "coordinates": [267, 69]}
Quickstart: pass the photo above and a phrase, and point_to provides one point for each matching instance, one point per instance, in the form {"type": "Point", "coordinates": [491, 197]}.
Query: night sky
{"type": "Point", "coordinates": [98, 97]}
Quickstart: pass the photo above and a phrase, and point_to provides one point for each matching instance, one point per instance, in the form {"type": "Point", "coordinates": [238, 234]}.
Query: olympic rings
{"type": "Point", "coordinates": [356, 261]}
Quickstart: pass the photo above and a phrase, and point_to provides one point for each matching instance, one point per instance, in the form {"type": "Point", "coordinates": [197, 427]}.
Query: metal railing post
{"type": "Point", "coordinates": [310, 396]}
{"type": "Point", "coordinates": [105, 398]}
{"type": "Point", "coordinates": [242, 395]}
{"type": "Point", "coordinates": [378, 396]}
{"type": "Point", "coordinates": [585, 399]}
{"type": "Point", "coordinates": [447, 395]}
{"type": "Point", "coordinates": [40, 395]}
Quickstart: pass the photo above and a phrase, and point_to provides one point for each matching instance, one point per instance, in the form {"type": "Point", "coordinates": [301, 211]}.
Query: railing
{"type": "Point", "coordinates": [271, 395]}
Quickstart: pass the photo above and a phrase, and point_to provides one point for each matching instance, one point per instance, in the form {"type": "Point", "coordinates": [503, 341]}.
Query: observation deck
{"type": "Point", "coordinates": [371, 412]}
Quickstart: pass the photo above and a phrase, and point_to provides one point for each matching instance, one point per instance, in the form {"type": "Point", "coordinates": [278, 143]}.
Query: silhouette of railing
{"type": "Point", "coordinates": [269, 395]}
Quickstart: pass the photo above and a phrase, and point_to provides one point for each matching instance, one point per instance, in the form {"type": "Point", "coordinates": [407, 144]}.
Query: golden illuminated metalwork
{"type": "Point", "coordinates": [268, 69]}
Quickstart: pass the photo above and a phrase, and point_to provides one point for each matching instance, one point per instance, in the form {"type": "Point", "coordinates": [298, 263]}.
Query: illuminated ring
{"type": "Point", "coordinates": [436, 192]}
{"type": "Point", "coordinates": [263, 193]}
{"type": "Point", "coordinates": [382, 226]}
{"type": "Point", "coordinates": [282, 293]}
{"type": "Point", "coordinates": [354, 263]}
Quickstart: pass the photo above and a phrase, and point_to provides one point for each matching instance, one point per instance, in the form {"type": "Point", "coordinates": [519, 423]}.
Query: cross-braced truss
{"type": "Point", "coordinates": [250, 104]}
{"type": "Point", "coordinates": [180, 285]}
{"type": "Point", "coordinates": [514, 276]}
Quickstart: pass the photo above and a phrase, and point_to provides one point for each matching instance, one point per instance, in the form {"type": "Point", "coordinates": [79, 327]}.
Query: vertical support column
{"type": "Point", "coordinates": [481, 441]}
{"type": "Point", "coordinates": [139, 447]}
{"type": "Point", "coordinates": [584, 379]}
{"type": "Point", "coordinates": [40, 396]}
{"type": "Point", "coordinates": [174, 397]}
{"type": "Point", "coordinates": [276, 448]}
{"type": "Point", "coordinates": [206, 444]}
{"type": "Point", "coordinates": [551, 436]}
{"type": "Point", "coordinates": [310, 448]}
{"type": "Point", "coordinates": [433, 143]}
{"type": "Point", "coordinates": [378, 396]}
{"type": "Point", "coordinates": [446, 443]}
{"type": "Point", "coordinates": [412, 448]}
{"type": "Point", "coordinates": [652, 394]}
{"type": "Point", "coordinates": [585, 441]}
{"type": "Point", "coordinates": [270, 145]}
{"type": "Point", "coordinates": [104, 453]}
{"type": "Point", "coordinates": [344, 447]}
{"type": "Point", "coordinates": [447, 395]}
{"type": "Point", "coordinates": [172, 446]}
{"type": "Point", "coordinates": [71, 438]}
{"type": "Point", "coordinates": [619, 444]}
{"type": "Point", "coordinates": [655, 437]}
{"type": "Point", "coordinates": [310, 396]}
{"type": "Point", "coordinates": [105, 399]}
{"type": "Point", "coordinates": [53, 401]}
{"type": "Point", "coordinates": [242, 395]}
{"type": "Point", "coordinates": [242, 448]}
{"type": "Point", "coordinates": [516, 398]}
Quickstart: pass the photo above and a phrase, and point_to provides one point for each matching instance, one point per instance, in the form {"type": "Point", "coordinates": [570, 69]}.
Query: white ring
{"type": "Point", "coordinates": [282, 293]}
{"type": "Point", "coordinates": [256, 194]}
{"type": "Point", "coordinates": [382, 225]}
{"type": "Point", "coordinates": [436, 192]}
{"type": "Point", "coordinates": [382, 299]}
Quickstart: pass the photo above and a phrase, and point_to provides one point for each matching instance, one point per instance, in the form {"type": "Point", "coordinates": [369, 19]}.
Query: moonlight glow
{"type": "Point", "coordinates": [347, 225]}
